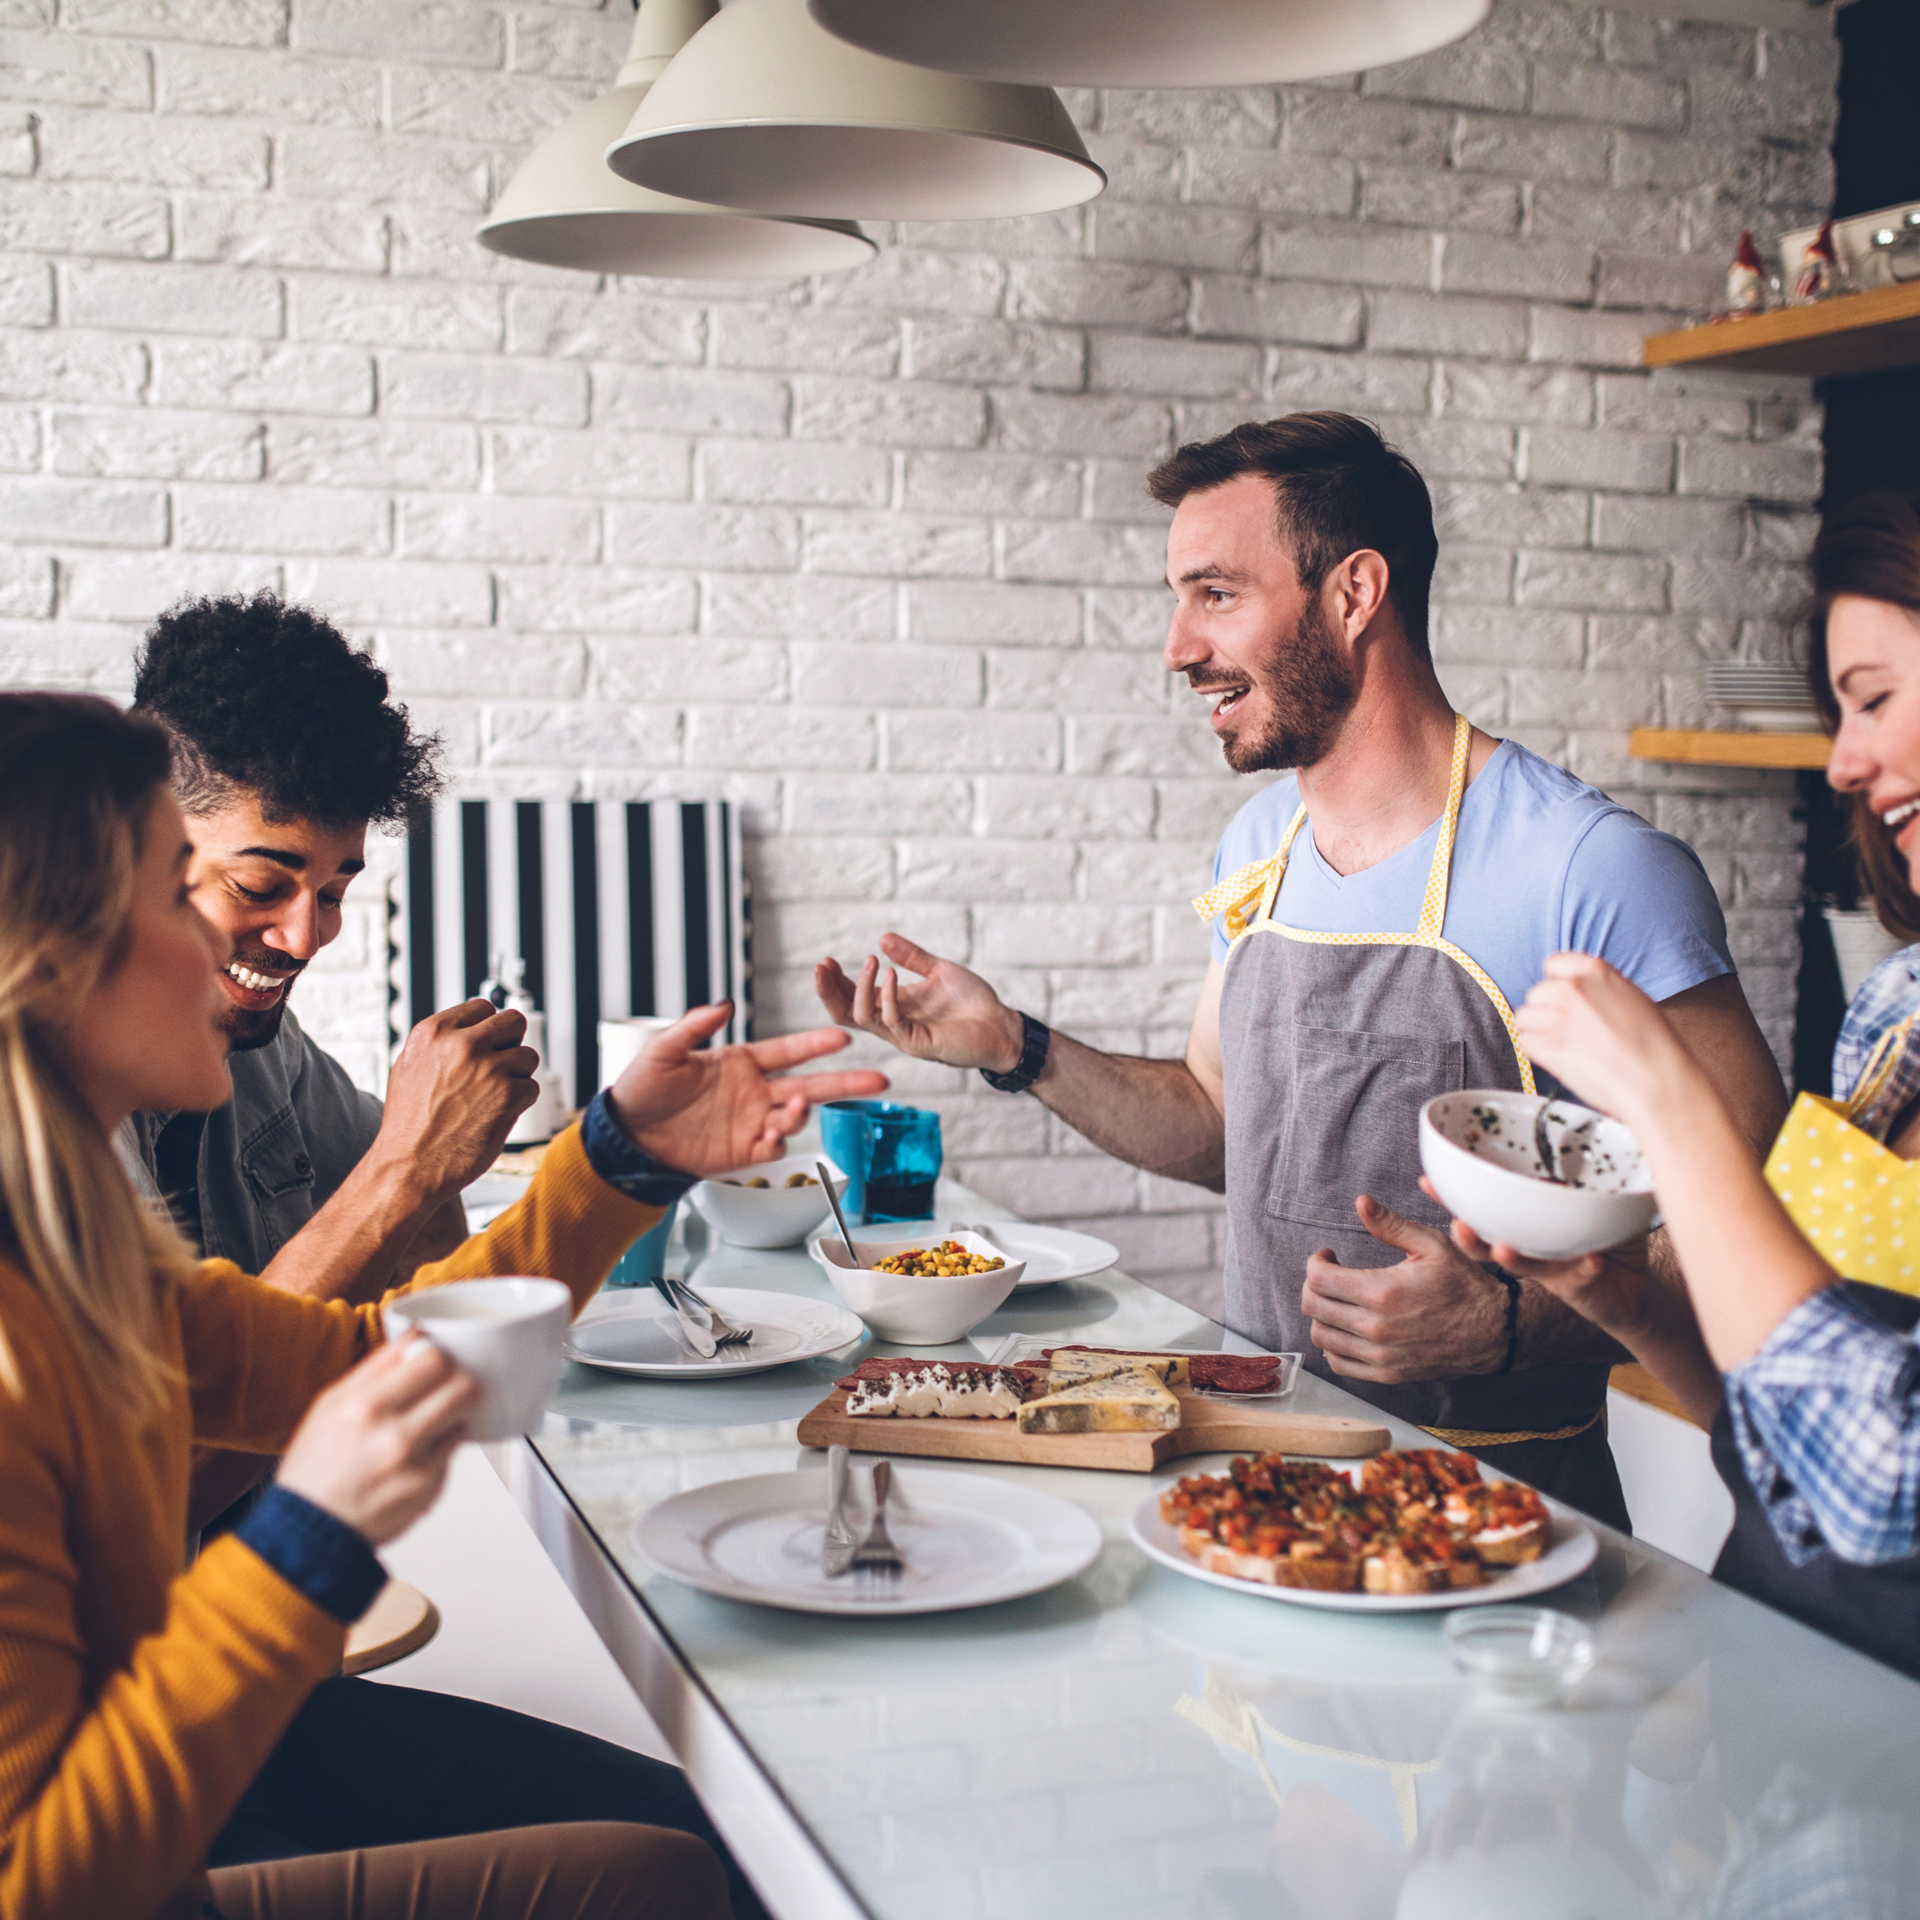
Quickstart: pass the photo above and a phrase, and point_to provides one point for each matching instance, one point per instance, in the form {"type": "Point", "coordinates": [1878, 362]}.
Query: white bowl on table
{"type": "Point", "coordinates": [916, 1311]}
{"type": "Point", "coordinates": [1477, 1149]}
{"type": "Point", "coordinates": [775, 1215]}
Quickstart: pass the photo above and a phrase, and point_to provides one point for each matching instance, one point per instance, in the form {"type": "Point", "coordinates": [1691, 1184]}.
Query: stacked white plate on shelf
{"type": "Point", "coordinates": [1766, 696]}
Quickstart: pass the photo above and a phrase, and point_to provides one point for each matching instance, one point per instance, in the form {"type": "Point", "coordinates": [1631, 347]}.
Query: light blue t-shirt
{"type": "Point", "coordinates": [1542, 864]}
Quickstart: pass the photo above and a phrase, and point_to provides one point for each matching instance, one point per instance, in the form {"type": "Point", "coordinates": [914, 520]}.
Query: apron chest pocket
{"type": "Point", "coordinates": [1353, 1122]}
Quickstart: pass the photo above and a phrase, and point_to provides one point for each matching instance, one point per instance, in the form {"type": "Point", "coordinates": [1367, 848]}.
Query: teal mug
{"type": "Point", "coordinates": [646, 1260]}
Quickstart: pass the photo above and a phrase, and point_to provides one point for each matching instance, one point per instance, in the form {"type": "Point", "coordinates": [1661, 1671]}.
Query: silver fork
{"type": "Point", "coordinates": [876, 1555]}
{"type": "Point", "coordinates": [724, 1332]}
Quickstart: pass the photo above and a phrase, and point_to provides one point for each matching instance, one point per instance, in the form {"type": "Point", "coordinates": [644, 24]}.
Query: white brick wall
{"type": "Point", "coordinates": [870, 554]}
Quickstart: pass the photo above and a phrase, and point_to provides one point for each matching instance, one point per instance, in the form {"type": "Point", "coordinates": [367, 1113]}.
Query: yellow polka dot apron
{"type": "Point", "coordinates": [1331, 1043]}
{"type": "Point", "coordinates": [1857, 1202]}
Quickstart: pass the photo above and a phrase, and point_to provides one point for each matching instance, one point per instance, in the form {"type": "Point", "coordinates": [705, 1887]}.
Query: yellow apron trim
{"type": "Point", "coordinates": [1261, 880]}
{"type": "Point", "coordinates": [1473, 1437]}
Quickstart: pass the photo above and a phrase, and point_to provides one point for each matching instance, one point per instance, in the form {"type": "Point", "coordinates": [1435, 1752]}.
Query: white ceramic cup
{"type": "Point", "coordinates": [621, 1041]}
{"type": "Point", "coordinates": [507, 1333]}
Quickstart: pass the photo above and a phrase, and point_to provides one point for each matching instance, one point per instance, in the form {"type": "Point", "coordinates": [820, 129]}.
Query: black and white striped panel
{"type": "Point", "coordinates": [618, 908]}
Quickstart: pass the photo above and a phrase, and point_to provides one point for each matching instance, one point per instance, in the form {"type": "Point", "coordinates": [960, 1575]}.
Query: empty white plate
{"type": "Point", "coordinates": [1051, 1253]}
{"type": "Point", "coordinates": [1571, 1547]}
{"type": "Point", "coordinates": [631, 1332]}
{"type": "Point", "coordinates": [968, 1541]}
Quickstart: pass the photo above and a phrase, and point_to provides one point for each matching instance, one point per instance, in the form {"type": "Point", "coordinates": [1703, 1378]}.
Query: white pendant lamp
{"type": "Point", "coordinates": [766, 111]}
{"type": "Point", "coordinates": [565, 208]}
{"type": "Point", "coordinates": [1149, 43]}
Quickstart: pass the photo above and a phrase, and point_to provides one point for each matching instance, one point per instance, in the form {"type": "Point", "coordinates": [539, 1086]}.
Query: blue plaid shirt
{"type": "Point", "coordinates": [1827, 1413]}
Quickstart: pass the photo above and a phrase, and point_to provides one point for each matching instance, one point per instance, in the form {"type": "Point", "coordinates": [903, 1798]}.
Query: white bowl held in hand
{"type": "Point", "coordinates": [1477, 1149]}
{"type": "Point", "coordinates": [507, 1333]}
{"type": "Point", "coordinates": [919, 1312]}
{"type": "Point", "coordinates": [775, 1215]}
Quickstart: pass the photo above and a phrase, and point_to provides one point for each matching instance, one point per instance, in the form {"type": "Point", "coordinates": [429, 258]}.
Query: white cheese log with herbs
{"type": "Point", "coordinates": [1125, 1402]}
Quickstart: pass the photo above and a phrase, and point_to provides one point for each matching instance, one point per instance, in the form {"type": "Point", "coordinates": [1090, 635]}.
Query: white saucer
{"type": "Point", "coordinates": [1571, 1547]}
{"type": "Point", "coordinates": [1051, 1253]}
{"type": "Point", "coordinates": [629, 1332]}
{"type": "Point", "coordinates": [968, 1540]}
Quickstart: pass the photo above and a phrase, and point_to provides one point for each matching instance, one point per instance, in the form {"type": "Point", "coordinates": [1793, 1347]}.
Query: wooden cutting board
{"type": "Point", "coordinates": [1207, 1425]}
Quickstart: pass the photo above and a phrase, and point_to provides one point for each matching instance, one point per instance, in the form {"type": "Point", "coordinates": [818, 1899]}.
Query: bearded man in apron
{"type": "Point", "coordinates": [1375, 915]}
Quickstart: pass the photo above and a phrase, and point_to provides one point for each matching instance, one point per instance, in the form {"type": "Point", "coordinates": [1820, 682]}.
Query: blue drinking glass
{"type": "Point", "coordinates": [890, 1154]}
{"type": "Point", "coordinates": [646, 1260]}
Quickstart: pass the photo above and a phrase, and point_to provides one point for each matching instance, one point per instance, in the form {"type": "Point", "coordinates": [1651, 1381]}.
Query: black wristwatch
{"type": "Point", "coordinates": [1033, 1056]}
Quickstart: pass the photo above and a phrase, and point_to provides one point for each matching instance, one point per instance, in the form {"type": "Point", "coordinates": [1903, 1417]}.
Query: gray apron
{"type": "Point", "coordinates": [1332, 1042]}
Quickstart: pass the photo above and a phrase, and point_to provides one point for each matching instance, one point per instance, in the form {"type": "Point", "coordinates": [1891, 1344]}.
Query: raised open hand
{"type": "Point", "coordinates": [704, 1112]}
{"type": "Point", "coordinates": [950, 1014]}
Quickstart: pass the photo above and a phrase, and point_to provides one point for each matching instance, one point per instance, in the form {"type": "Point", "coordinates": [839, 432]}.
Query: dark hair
{"type": "Point", "coordinates": [273, 698]}
{"type": "Point", "coordinates": [1871, 548]}
{"type": "Point", "coordinates": [1338, 487]}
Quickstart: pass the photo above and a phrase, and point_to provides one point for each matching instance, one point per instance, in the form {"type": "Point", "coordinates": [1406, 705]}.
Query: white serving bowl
{"type": "Point", "coordinates": [1477, 1149]}
{"type": "Point", "coordinates": [775, 1215]}
{"type": "Point", "coordinates": [904, 1307]}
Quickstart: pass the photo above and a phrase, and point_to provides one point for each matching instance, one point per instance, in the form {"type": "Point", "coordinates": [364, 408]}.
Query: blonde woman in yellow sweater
{"type": "Point", "coordinates": [137, 1700]}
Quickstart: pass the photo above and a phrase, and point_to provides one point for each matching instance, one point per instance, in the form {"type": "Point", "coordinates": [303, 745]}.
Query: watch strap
{"type": "Point", "coordinates": [1033, 1056]}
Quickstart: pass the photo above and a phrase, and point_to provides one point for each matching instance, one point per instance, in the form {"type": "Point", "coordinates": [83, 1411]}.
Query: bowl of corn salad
{"type": "Point", "coordinates": [924, 1292]}
{"type": "Point", "coordinates": [776, 1204]}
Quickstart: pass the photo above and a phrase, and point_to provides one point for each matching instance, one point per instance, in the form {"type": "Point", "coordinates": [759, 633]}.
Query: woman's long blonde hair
{"type": "Point", "coordinates": [77, 781]}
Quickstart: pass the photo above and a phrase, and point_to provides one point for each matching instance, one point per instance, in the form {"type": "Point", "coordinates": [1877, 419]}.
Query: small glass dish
{"type": "Point", "coordinates": [1527, 1656]}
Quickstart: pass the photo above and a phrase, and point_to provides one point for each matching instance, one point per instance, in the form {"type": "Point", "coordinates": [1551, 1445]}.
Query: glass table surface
{"type": "Point", "coordinates": [1135, 1743]}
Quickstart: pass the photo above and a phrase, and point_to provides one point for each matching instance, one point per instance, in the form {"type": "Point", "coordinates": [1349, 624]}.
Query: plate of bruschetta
{"type": "Point", "coordinates": [1407, 1532]}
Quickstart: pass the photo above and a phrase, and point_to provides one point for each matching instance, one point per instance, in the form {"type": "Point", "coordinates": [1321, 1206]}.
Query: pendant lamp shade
{"type": "Point", "coordinates": [565, 208]}
{"type": "Point", "coordinates": [1149, 43]}
{"type": "Point", "coordinates": [766, 111]}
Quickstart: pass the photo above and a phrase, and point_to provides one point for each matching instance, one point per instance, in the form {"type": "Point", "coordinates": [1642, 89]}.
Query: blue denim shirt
{"type": "Point", "coordinates": [275, 1154]}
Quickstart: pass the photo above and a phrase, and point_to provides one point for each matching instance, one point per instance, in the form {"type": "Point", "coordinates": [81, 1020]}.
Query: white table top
{"type": "Point", "coordinates": [1135, 1743]}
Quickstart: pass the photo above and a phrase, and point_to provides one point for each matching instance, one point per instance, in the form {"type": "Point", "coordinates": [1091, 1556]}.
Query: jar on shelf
{"type": "Point", "coordinates": [1903, 251]}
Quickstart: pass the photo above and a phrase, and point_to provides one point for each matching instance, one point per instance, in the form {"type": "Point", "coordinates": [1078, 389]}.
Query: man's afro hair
{"type": "Point", "coordinates": [262, 695]}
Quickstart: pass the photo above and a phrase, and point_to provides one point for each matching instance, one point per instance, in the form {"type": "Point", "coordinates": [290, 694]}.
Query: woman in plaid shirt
{"type": "Point", "coordinates": [1812, 1382]}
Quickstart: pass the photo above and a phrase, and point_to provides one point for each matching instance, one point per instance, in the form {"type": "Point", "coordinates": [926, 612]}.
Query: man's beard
{"type": "Point", "coordinates": [246, 1030]}
{"type": "Point", "coordinates": [1309, 690]}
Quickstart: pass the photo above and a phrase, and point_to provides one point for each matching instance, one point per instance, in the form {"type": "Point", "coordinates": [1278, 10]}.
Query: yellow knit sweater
{"type": "Point", "coordinates": [137, 1701]}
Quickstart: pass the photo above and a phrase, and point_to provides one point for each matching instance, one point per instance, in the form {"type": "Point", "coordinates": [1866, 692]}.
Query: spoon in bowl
{"type": "Point", "coordinates": [1543, 1146]}
{"type": "Point", "coordinates": [840, 1219]}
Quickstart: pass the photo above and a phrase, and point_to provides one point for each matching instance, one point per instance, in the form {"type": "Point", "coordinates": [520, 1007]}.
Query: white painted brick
{"type": "Point", "coordinates": [599, 326]}
{"type": "Point", "coordinates": [1573, 336]}
{"type": "Point", "coordinates": [1455, 202]}
{"type": "Point", "coordinates": [363, 453]}
{"type": "Point", "coordinates": [1436, 323]}
{"type": "Point", "coordinates": [173, 299]}
{"type": "Point", "coordinates": [800, 933]}
{"type": "Point", "coordinates": [1477, 72]}
{"type": "Point", "coordinates": [1624, 222]}
{"type": "Point", "coordinates": [996, 350]}
{"type": "Point", "coordinates": [1272, 182]}
{"type": "Point", "coordinates": [826, 802]}
{"type": "Point", "coordinates": [1561, 457]}
{"type": "Point", "coordinates": [245, 23]}
{"type": "Point", "coordinates": [57, 70]}
{"type": "Point", "coordinates": [449, 319]}
{"type": "Point", "coordinates": [1063, 550]}
{"type": "Point", "coordinates": [63, 653]}
{"type": "Point", "coordinates": [595, 600]}
{"type": "Point", "coordinates": [456, 662]}
{"type": "Point", "coordinates": [772, 472]}
{"type": "Point", "coordinates": [751, 607]}
{"type": "Point", "coordinates": [1177, 236]}
{"type": "Point", "coordinates": [1129, 617]}
{"type": "Point", "coordinates": [1475, 576]}
{"type": "Point", "coordinates": [1184, 116]}
{"type": "Point", "coordinates": [473, 527]}
{"type": "Point", "coordinates": [1609, 582]}
{"type": "Point", "coordinates": [155, 444]}
{"type": "Point", "coordinates": [891, 413]}
{"type": "Point", "coordinates": [75, 513]}
{"type": "Point", "coordinates": [1476, 263]}
{"type": "Point", "coordinates": [581, 736]}
{"type": "Point", "coordinates": [749, 539]}
{"type": "Point", "coordinates": [600, 464]}
{"type": "Point", "coordinates": [916, 280]}
{"type": "Point", "coordinates": [326, 163]}
{"type": "Point", "coordinates": [578, 46]}
{"type": "Point", "coordinates": [658, 672]}
{"type": "Point", "coordinates": [1705, 584]}
{"type": "Point", "coordinates": [927, 742]}
{"type": "Point", "coordinates": [1071, 423]}
{"type": "Point", "coordinates": [1770, 472]}
{"type": "Point", "coordinates": [1527, 395]}
{"type": "Point", "coordinates": [1117, 490]}
{"type": "Point", "coordinates": [1318, 122]}
{"type": "Point", "coordinates": [1530, 149]}
{"type": "Point", "coordinates": [1007, 614]}
{"type": "Point", "coordinates": [1096, 292]}
{"type": "Point", "coordinates": [1362, 383]}
{"type": "Point", "coordinates": [1616, 95]}
{"type": "Point", "coordinates": [1670, 161]}
{"type": "Point", "coordinates": [150, 150]}
{"type": "Point", "coordinates": [1651, 642]}
{"type": "Point", "coordinates": [18, 153]}
{"type": "Point", "coordinates": [1052, 1188]}
{"type": "Point", "coordinates": [259, 519]}
{"type": "Point", "coordinates": [19, 439]}
{"type": "Point", "coordinates": [210, 80]}
{"type": "Point", "coordinates": [668, 400]}
{"type": "Point", "coordinates": [1196, 369]}
{"type": "Point", "coordinates": [787, 338]}
{"type": "Point", "coordinates": [442, 32]}
{"type": "Point", "coordinates": [1094, 935]}
{"type": "Point", "coordinates": [279, 233]}
{"type": "Point", "coordinates": [1503, 637]}
{"type": "Point", "coordinates": [1134, 170]}
{"type": "Point", "coordinates": [1667, 525]}
{"type": "Point", "coordinates": [1660, 280]}
{"type": "Point", "coordinates": [393, 593]}
{"type": "Point", "coordinates": [26, 293]}
{"type": "Point", "coordinates": [802, 739]}
{"type": "Point", "coordinates": [1367, 256]}
{"type": "Point", "coordinates": [824, 867]}
{"type": "Point", "coordinates": [26, 585]}
{"type": "Point", "coordinates": [1293, 311]}
{"type": "Point", "coordinates": [252, 374]}
{"type": "Point", "coordinates": [964, 870]}
{"type": "Point", "coordinates": [1526, 516]}
{"type": "Point", "coordinates": [513, 109]}
{"type": "Point", "coordinates": [1176, 744]}
{"type": "Point", "coordinates": [85, 220]}
{"type": "Point", "coordinates": [1082, 681]}
{"type": "Point", "coordinates": [1036, 807]}
{"type": "Point", "coordinates": [431, 386]}
{"type": "Point", "coordinates": [991, 483]}
{"type": "Point", "coordinates": [903, 546]}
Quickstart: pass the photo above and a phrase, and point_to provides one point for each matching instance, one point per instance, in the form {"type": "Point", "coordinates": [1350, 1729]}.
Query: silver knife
{"type": "Point", "coordinates": [837, 1549]}
{"type": "Point", "coordinates": [686, 1327]}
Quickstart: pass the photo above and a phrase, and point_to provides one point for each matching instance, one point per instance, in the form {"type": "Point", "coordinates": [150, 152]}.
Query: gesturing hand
{"type": "Point", "coordinates": [373, 1449]}
{"type": "Point", "coordinates": [460, 1082]}
{"type": "Point", "coordinates": [1433, 1316]}
{"type": "Point", "coordinates": [705, 1112]}
{"type": "Point", "coordinates": [950, 1014]}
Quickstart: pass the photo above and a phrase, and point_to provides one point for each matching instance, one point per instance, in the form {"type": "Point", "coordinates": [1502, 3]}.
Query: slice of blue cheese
{"type": "Point", "coordinates": [1124, 1402]}
{"type": "Point", "coordinates": [1067, 1367]}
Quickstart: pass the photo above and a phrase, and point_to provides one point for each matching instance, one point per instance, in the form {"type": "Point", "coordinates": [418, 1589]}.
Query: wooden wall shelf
{"type": "Point", "coordinates": [1804, 750]}
{"type": "Point", "coordinates": [1869, 332]}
